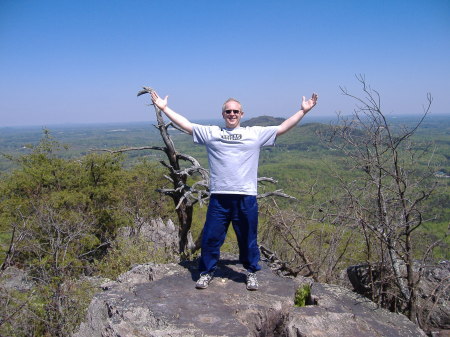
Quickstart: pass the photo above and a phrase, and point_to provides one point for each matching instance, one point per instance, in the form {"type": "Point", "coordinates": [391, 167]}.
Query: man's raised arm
{"type": "Point", "coordinates": [295, 118]}
{"type": "Point", "coordinates": [176, 118]}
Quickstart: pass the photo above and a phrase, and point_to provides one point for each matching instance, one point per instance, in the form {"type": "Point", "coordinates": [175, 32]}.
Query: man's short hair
{"type": "Point", "coordinates": [232, 100]}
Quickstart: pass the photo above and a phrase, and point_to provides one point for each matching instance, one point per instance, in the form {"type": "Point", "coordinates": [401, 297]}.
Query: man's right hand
{"type": "Point", "coordinates": [158, 101]}
{"type": "Point", "coordinates": [176, 118]}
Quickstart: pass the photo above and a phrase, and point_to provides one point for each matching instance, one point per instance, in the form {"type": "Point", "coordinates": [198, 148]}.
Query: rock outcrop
{"type": "Point", "coordinates": [433, 292]}
{"type": "Point", "coordinates": [161, 234]}
{"type": "Point", "coordinates": [15, 279]}
{"type": "Point", "coordinates": [160, 300]}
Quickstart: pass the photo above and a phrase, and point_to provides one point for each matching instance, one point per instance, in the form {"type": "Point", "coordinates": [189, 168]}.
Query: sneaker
{"type": "Point", "coordinates": [203, 281]}
{"type": "Point", "coordinates": [252, 281]}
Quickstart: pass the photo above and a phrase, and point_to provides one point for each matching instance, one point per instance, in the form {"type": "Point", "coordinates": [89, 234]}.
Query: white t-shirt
{"type": "Point", "coordinates": [233, 155]}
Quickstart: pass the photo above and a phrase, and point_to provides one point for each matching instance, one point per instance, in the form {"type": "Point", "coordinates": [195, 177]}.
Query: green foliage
{"type": "Point", "coordinates": [69, 205]}
{"type": "Point", "coordinates": [140, 189]}
{"type": "Point", "coordinates": [302, 295]}
{"type": "Point", "coordinates": [63, 215]}
{"type": "Point", "coordinates": [30, 312]}
{"type": "Point", "coordinates": [126, 252]}
{"type": "Point", "coordinates": [78, 295]}
{"type": "Point", "coordinates": [21, 313]}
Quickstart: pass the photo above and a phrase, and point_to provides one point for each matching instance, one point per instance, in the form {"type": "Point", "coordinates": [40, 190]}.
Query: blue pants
{"type": "Point", "coordinates": [242, 212]}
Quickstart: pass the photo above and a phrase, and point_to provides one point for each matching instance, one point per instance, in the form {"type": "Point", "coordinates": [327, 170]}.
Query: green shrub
{"type": "Point", "coordinates": [127, 252]}
{"type": "Point", "coordinates": [302, 295]}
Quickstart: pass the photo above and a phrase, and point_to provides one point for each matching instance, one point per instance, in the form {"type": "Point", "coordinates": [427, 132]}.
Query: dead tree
{"type": "Point", "coordinates": [184, 196]}
{"type": "Point", "coordinates": [386, 199]}
{"type": "Point", "coordinates": [306, 242]}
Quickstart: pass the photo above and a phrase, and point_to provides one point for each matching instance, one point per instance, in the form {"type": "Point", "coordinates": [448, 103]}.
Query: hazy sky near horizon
{"type": "Point", "coordinates": [84, 61]}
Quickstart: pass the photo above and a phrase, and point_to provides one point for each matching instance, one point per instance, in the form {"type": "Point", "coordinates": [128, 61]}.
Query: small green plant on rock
{"type": "Point", "coordinates": [302, 295]}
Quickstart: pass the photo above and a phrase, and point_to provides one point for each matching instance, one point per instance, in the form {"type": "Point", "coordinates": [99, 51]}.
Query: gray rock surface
{"type": "Point", "coordinates": [161, 300]}
{"type": "Point", "coordinates": [433, 291]}
{"type": "Point", "coordinates": [162, 234]}
{"type": "Point", "coordinates": [434, 295]}
{"type": "Point", "coordinates": [13, 278]}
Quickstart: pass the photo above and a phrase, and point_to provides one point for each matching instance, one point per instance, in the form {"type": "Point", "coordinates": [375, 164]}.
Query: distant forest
{"type": "Point", "coordinates": [298, 159]}
{"type": "Point", "coordinates": [64, 207]}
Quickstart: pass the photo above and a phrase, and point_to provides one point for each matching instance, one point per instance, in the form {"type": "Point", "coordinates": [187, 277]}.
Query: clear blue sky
{"type": "Point", "coordinates": [83, 61]}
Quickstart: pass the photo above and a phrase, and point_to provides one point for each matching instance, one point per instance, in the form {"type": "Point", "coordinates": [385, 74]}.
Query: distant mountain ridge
{"type": "Point", "coordinates": [263, 121]}
{"type": "Point", "coordinates": [313, 127]}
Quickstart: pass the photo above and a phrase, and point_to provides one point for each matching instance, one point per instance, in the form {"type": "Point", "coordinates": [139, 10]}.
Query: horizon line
{"type": "Point", "coordinates": [68, 124]}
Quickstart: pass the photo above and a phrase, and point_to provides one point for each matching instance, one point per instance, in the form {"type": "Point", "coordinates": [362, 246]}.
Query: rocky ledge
{"type": "Point", "coordinates": [160, 300]}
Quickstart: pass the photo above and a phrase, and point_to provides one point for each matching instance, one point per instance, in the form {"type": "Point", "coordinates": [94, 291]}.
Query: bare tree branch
{"type": "Point", "coordinates": [159, 148]}
{"type": "Point", "coordinates": [277, 193]}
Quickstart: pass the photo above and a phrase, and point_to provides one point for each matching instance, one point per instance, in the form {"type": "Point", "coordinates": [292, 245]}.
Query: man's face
{"type": "Point", "coordinates": [232, 119]}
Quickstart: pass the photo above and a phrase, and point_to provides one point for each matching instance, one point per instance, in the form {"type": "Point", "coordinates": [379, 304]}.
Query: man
{"type": "Point", "coordinates": [233, 154]}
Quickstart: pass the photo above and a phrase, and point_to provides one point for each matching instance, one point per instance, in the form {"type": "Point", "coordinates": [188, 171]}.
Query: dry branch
{"type": "Point", "coordinates": [277, 193]}
{"type": "Point", "coordinates": [159, 148]}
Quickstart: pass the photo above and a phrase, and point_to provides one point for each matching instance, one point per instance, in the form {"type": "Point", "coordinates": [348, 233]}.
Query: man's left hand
{"type": "Point", "coordinates": [309, 104]}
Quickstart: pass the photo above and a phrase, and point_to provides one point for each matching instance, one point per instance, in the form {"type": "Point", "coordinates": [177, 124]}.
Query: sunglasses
{"type": "Point", "coordinates": [236, 112]}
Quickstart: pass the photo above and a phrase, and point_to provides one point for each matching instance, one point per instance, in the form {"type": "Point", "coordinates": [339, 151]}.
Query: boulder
{"type": "Point", "coordinates": [161, 300]}
{"type": "Point", "coordinates": [13, 278]}
{"type": "Point", "coordinates": [434, 295]}
{"type": "Point", "coordinates": [433, 292]}
{"type": "Point", "coordinates": [161, 234]}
